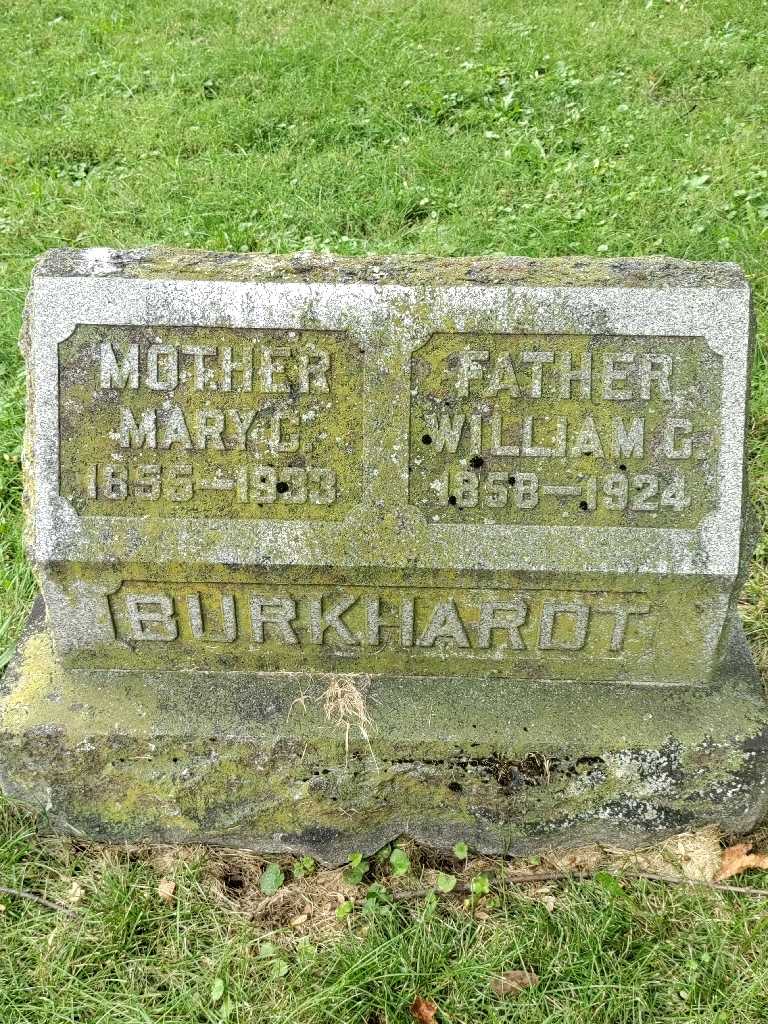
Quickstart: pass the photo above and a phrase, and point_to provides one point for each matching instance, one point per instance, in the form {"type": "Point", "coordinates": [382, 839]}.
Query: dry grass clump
{"type": "Point", "coordinates": [344, 705]}
{"type": "Point", "coordinates": [692, 855]}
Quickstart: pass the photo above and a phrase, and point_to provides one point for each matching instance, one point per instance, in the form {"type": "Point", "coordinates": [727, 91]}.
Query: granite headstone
{"type": "Point", "coordinates": [333, 550]}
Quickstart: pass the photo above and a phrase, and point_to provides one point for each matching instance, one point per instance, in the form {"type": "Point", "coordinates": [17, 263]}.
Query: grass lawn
{"type": "Point", "coordinates": [615, 127]}
{"type": "Point", "coordinates": [217, 949]}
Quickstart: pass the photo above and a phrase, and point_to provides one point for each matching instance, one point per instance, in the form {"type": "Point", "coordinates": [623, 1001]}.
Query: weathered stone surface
{"type": "Point", "coordinates": [503, 500]}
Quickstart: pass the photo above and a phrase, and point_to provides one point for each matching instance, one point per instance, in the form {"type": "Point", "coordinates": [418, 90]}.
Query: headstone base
{"type": "Point", "coordinates": [506, 766]}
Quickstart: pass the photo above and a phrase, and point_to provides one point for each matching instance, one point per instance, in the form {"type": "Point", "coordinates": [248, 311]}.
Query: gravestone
{"type": "Point", "coordinates": [332, 551]}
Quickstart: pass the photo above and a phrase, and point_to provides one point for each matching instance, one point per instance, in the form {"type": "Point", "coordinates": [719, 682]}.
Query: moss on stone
{"type": "Point", "coordinates": [407, 269]}
{"type": "Point", "coordinates": [457, 762]}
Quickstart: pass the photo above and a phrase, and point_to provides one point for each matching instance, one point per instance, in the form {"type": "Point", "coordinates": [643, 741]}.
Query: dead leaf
{"type": "Point", "coordinates": [75, 892]}
{"type": "Point", "coordinates": [737, 859]}
{"type": "Point", "coordinates": [298, 920]}
{"type": "Point", "coordinates": [166, 889]}
{"type": "Point", "coordinates": [423, 1010]}
{"type": "Point", "coordinates": [512, 983]}
{"type": "Point", "coordinates": [549, 902]}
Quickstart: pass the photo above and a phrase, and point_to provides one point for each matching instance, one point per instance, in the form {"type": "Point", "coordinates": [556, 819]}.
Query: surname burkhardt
{"type": "Point", "coordinates": [512, 621]}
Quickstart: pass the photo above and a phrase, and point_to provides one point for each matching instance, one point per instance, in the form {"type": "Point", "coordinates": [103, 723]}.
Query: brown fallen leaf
{"type": "Point", "coordinates": [512, 983]}
{"type": "Point", "coordinates": [423, 1010]}
{"type": "Point", "coordinates": [737, 859]}
{"type": "Point", "coordinates": [166, 889]}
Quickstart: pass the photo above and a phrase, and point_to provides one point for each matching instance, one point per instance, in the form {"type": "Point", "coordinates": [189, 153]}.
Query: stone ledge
{"type": "Point", "coordinates": [157, 262]}
{"type": "Point", "coordinates": [114, 755]}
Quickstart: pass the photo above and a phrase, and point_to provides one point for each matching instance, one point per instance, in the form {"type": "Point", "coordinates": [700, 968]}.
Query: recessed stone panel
{"type": "Point", "coordinates": [190, 421]}
{"type": "Point", "coordinates": [565, 429]}
{"type": "Point", "coordinates": [422, 628]}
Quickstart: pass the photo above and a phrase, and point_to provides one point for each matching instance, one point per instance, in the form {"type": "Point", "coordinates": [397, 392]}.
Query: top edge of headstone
{"type": "Point", "coordinates": [161, 263]}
